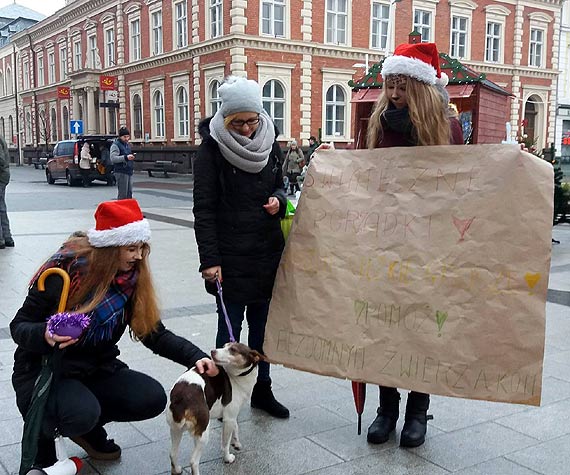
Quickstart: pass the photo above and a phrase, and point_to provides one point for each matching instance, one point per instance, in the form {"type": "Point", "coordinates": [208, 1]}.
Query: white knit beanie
{"type": "Point", "coordinates": [239, 94]}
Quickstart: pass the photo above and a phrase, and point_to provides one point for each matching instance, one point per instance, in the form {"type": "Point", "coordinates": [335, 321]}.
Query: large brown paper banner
{"type": "Point", "coordinates": [423, 268]}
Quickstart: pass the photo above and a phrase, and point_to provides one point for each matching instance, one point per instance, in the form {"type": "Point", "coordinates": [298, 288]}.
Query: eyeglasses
{"type": "Point", "coordinates": [238, 124]}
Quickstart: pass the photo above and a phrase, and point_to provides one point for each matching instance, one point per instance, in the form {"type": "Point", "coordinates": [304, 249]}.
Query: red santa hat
{"type": "Point", "coordinates": [419, 61]}
{"type": "Point", "coordinates": [119, 223]}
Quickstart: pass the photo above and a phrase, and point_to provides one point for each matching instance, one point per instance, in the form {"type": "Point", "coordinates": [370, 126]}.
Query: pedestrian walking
{"type": "Point", "coordinates": [294, 163]}
{"type": "Point", "coordinates": [110, 283]}
{"type": "Point", "coordinates": [409, 112]}
{"type": "Point", "coordinates": [6, 239]}
{"type": "Point", "coordinates": [123, 164]}
{"type": "Point", "coordinates": [85, 164]}
{"type": "Point", "coordinates": [313, 145]}
{"type": "Point", "coordinates": [238, 202]}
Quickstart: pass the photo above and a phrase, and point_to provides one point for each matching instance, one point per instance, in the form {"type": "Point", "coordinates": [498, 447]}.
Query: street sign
{"type": "Point", "coordinates": [76, 126]}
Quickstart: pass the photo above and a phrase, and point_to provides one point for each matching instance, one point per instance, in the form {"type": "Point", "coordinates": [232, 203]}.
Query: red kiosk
{"type": "Point", "coordinates": [483, 106]}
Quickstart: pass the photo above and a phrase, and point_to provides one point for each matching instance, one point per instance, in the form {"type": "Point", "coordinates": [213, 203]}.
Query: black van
{"type": "Point", "coordinates": [64, 162]}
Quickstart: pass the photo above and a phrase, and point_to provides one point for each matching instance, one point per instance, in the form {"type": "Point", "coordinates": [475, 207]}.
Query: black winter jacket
{"type": "Point", "coordinates": [233, 230]}
{"type": "Point", "coordinates": [78, 361]}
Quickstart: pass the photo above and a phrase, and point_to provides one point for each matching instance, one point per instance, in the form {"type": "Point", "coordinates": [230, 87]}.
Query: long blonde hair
{"type": "Point", "coordinates": [102, 268]}
{"type": "Point", "coordinates": [427, 115]}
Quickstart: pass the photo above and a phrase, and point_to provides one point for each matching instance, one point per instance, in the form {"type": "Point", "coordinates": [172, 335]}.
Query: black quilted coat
{"type": "Point", "coordinates": [233, 229]}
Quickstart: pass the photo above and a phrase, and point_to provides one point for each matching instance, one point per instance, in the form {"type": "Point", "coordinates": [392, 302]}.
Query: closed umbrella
{"type": "Point", "coordinates": [359, 393]}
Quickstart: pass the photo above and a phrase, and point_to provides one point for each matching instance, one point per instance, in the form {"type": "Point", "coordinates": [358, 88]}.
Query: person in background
{"type": "Point", "coordinates": [313, 145]}
{"type": "Point", "coordinates": [110, 283]}
{"type": "Point", "coordinates": [85, 164]}
{"type": "Point", "coordinates": [294, 163]}
{"type": "Point", "coordinates": [238, 202]}
{"type": "Point", "coordinates": [6, 239]}
{"type": "Point", "coordinates": [409, 112]}
{"type": "Point", "coordinates": [123, 164]}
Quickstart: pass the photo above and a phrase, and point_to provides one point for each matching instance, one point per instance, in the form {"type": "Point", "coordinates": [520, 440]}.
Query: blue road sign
{"type": "Point", "coordinates": [76, 126]}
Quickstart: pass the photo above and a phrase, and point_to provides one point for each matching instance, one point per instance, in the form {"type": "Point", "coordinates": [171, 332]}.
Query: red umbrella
{"type": "Point", "coordinates": [359, 393]}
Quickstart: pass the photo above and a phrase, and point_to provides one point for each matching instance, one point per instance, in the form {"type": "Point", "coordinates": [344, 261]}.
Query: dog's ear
{"type": "Point", "coordinates": [257, 356]}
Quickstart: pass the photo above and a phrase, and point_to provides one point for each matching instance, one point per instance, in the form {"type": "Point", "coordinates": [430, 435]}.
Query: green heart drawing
{"type": "Point", "coordinates": [440, 318]}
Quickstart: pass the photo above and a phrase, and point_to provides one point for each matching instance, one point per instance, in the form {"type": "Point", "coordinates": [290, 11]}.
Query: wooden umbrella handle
{"type": "Point", "coordinates": [66, 283]}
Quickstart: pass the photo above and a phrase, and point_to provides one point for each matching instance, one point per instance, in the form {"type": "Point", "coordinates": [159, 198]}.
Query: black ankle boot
{"type": "Point", "coordinates": [388, 413]}
{"type": "Point", "coordinates": [262, 398]}
{"type": "Point", "coordinates": [97, 445]}
{"type": "Point", "coordinates": [415, 426]}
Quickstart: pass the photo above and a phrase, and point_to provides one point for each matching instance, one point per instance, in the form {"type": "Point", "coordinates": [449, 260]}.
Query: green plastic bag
{"type": "Point", "coordinates": [287, 221]}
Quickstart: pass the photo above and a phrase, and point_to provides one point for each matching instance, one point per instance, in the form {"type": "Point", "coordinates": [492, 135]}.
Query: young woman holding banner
{"type": "Point", "coordinates": [409, 112]}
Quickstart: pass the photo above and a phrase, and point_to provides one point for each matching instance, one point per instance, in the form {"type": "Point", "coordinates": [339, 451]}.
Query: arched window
{"type": "Point", "coordinates": [137, 116]}
{"type": "Point", "coordinates": [2, 127]}
{"type": "Point", "coordinates": [9, 87]}
{"type": "Point", "coordinates": [335, 107]}
{"type": "Point", "coordinates": [53, 124]}
{"type": "Point", "coordinates": [2, 90]}
{"type": "Point", "coordinates": [215, 100]}
{"type": "Point", "coordinates": [65, 126]}
{"type": "Point", "coordinates": [11, 129]}
{"type": "Point", "coordinates": [158, 105]}
{"type": "Point", "coordinates": [44, 127]}
{"type": "Point", "coordinates": [274, 102]}
{"type": "Point", "coordinates": [183, 112]}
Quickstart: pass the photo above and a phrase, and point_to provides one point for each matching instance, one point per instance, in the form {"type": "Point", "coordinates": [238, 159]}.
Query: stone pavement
{"type": "Point", "coordinates": [466, 437]}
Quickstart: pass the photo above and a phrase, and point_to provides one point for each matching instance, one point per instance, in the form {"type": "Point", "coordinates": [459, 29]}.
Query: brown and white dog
{"type": "Point", "coordinates": [195, 399]}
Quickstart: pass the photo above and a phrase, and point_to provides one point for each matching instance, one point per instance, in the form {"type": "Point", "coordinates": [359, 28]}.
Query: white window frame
{"type": "Point", "coordinates": [9, 83]}
{"type": "Point", "coordinates": [535, 43]}
{"type": "Point", "coordinates": [539, 21]}
{"type": "Point", "coordinates": [41, 71]}
{"type": "Point", "coordinates": [51, 67]}
{"type": "Point", "coordinates": [337, 77]}
{"type": "Point", "coordinates": [464, 9]}
{"type": "Point", "coordinates": [136, 90]}
{"type": "Point", "coordinates": [92, 50]}
{"type": "Point", "coordinates": [332, 17]}
{"type": "Point", "coordinates": [156, 124]}
{"type": "Point", "coordinates": [215, 26]}
{"type": "Point", "coordinates": [62, 61]}
{"type": "Point", "coordinates": [281, 72]}
{"type": "Point", "coordinates": [180, 25]}
{"type": "Point", "coordinates": [212, 73]}
{"type": "Point", "coordinates": [496, 14]}
{"type": "Point", "coordinates": [383, 26]}
{"type": "Point", "coordinates": [156, 32]}
{"type": "Point", "coordinates": [494, 41]}
{"type": "Point", "coordinates": [135, 52]}
{"type": "Point", "coordinates": [110, 50]}
{"type": "Point", "coordinates": [77, 55]}
{"type": "Point", "coordinates": [270, 21]}
{"type": "Point", "coordinates": [182, 124]}
{"type": "Point", "coordinates": [26, 74]}
{"type": "Point", "coordinates": [272, 101]}
{"type": "Point", "coordinates": [421, 27]}
{"type": "Point", "coordinates": [65, 133]}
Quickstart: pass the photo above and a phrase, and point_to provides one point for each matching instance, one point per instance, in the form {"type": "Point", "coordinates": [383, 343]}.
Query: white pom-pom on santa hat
{"type": "Point", "coordinates": [119, 223]}
{"type": "Point", "coordinates": [419, 61]}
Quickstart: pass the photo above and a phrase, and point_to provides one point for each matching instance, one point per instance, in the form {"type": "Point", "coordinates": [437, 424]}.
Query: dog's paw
{"type": "Point", "coordinates": [177, 470]}
{"type": "Point", "coordinates": [236, 445]}
{"type": "Point", "coordinates": [229, 458]}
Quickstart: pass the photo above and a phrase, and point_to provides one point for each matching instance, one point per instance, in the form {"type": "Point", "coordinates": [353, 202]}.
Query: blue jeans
{"type": "Point", "coordinates": [256, 315]}
{"type": "Point", "coordinates": [5, 234]}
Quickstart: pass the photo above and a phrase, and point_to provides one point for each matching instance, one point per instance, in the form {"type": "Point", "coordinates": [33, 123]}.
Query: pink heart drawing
{"type": "Point", "coordinates": [462, 226]}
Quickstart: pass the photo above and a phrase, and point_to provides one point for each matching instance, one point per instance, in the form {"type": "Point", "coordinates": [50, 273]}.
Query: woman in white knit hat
{"type": "Point", "coordinates": [238, 202]}
{"type": "Point", "coordinates": [112, 287]}
{"type": "Point", "coordinates": [409, 112]}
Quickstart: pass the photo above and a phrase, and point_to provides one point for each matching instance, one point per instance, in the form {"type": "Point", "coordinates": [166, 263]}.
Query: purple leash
{"type": "Point", "coordinates": [223, 305]}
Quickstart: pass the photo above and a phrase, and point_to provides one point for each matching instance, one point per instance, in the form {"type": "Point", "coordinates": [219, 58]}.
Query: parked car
{"type": "Point", "coordinates": [63, 163]}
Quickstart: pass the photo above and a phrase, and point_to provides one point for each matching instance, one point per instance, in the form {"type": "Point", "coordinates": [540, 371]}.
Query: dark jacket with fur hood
{"type": "Point", "coordinates": [233, 230]}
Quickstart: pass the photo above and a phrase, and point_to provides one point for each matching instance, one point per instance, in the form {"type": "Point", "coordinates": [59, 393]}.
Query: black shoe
{"type": "Point", "coordinates": [262, 398]}
{"type": "Point", "coordinates": [388, 413]}
{"type": "Point", "coordinates": [97, 446]}
{"type": "Point", "coordinates": [415, 426]}
{"type": "Point", "coordinates": [10, 243]}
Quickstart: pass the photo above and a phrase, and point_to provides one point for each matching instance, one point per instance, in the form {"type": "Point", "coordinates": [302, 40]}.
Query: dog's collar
{"type": "Point", "coordinates": [247, 371]}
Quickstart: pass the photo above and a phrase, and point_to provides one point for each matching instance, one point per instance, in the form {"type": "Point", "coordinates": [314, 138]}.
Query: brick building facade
{"type": "Point", "coordinates": [168, 57]}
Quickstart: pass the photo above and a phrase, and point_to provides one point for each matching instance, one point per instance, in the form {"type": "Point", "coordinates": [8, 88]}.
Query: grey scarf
{"type": "Point", "coordinates": [249, 155]}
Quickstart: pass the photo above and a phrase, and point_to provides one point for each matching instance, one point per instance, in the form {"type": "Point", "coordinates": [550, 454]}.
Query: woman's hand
{"type": "Point", "coordinates": [212, 273]}
{"type": "Point", "coordinates": [63, 341]}
{"type": "Point", "coordinates": [206, 365]}
{"type": "Point", "coordinates": [325, 146]}
{"type": "Point", "coordinates": [272, 206]}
